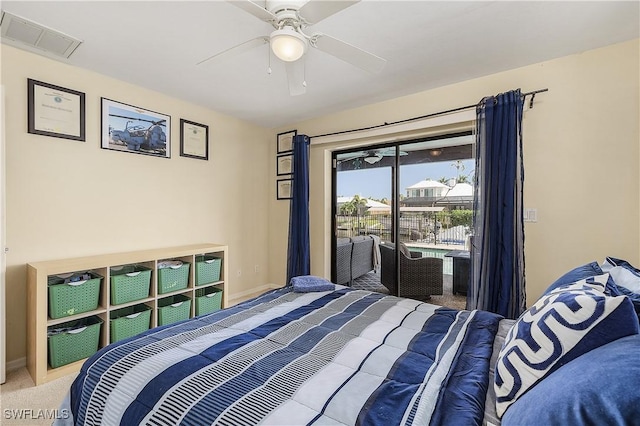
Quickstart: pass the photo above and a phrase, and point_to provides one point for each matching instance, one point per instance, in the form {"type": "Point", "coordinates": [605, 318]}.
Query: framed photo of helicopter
{"type": "Point", "coordinates": [128, 128]}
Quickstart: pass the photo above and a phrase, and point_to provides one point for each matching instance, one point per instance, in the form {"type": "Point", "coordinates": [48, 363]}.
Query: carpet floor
{"type": "Point", "coordinates": [24, 404]}
{"type": "Point", "coordinates": [371, 282]}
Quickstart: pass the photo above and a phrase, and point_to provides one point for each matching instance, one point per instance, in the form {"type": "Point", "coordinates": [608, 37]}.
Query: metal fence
{"type": "Point", "coordinates": [423, 228]}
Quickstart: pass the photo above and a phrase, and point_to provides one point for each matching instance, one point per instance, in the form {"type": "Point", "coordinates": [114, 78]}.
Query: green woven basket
{"type": "Point", "coordinates": [173, 309]}
{"type": "Point", "coordinates": [208, 299]}
{"type": "Point", "coordinates": [207, 269]}
{"type": "Point", "coordinates": [129, 283]}
{"type": "Point", "coordinates": [73, 340]}
{"type": "Point", "coordinates": [129, 321]}
{"type": "Point", "coordinates": [72, 294]}
{"type": "Point", "coordinates": [173, 279]}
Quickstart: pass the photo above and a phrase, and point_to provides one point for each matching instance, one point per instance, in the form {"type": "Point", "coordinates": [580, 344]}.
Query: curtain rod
{"type": "Point", "coordinates": [435, 114]}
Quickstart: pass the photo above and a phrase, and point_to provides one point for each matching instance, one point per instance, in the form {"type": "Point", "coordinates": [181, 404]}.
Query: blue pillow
{"type": "Point", "coordinates": [311, 283]}
{"type": "Point", "coordinates": [579, 273]}
{"type": "Point", "coordinates": [610, 262]}
{"type": "Point", "coordinates": [624, 280]}
{"type": "Point", "coordinates": [597, 388]}
{"type": "Point", "coordinates": [562, 325]}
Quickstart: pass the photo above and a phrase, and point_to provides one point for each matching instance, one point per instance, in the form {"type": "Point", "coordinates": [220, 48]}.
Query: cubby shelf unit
{"type": "Point", "coordinates": [37, 296]}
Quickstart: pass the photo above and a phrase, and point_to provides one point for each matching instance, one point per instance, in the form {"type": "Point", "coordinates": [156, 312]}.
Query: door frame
{"type": "Point", "coordinates": [395, 187]}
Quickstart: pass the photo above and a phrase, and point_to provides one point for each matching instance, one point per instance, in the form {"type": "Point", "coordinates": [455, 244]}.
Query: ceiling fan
{"type": "Point", "coordinates": [371, 156]}
{"type": "Point", "coordinates": [289, 42]}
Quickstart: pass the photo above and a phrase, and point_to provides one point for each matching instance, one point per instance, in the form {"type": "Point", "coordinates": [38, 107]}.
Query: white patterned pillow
{"type": "Point", "coordinates": [560, 326]}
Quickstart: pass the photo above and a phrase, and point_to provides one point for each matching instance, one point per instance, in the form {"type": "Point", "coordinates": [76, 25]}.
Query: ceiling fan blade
{"type": "Point", "coordinates": [348, 53]}
{"type": "Point", "coordinates": [295, 75]}
{"type": "Point", "coordinates": [351, 156]}
{"type": "Point", "coordinates": [254, 9]}
{"type": "Point", "coordinates": [236, 50]}
{"type": "Point", "coordinates": [390, 152]}
{"type": "Point", "coordinates": [315, 11]}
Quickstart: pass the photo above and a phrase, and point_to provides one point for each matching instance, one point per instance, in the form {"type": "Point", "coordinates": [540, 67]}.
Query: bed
{"type": "Point", "coordinates": [346, 357]}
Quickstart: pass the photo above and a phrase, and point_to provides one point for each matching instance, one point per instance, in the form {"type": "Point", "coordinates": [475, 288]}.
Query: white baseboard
{"type": "Point", "coordinates": [236, 298]}
{"type": "Point", "coordinates": [17, 363]}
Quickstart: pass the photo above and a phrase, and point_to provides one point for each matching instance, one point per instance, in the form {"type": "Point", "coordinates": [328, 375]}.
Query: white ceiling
{"type": "Point", "coordinates": [156, 44]}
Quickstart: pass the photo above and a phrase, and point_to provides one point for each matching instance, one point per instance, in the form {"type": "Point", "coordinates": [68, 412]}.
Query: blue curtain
{"type": "Point", "coordinates": [298, 254]}
{"type": "Point", "coordinates": [497, 274]}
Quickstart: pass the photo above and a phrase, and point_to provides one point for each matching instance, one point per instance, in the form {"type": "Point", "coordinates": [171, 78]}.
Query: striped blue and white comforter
{"type": "Point", "coordinates": [328, 358]}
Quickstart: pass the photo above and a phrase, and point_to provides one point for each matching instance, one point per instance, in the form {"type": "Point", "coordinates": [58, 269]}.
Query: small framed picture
{"type": "Point", "coordinates": [283, 189]}
{"type": "Point", "coordinates": [55, 111]}
{"type": "Point", "coordinates": [194, 140]}
{"type": "Point", "coordinates": [128, 128]}
{"type": "Point", "coordinates": [285, 141]}
{"type": "Point", "coordinates": [284, 165]}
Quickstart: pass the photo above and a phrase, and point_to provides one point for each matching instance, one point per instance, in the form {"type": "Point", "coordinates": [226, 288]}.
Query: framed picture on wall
{"type": "Point", "coordinates": [283, 189]}
{"type": "Point", "coordinates": [55, 111]}
{"type": "Point", "coordinates": [194, 140]}
{"type": "Point", "coordinates": [128, 128]}
{"type": "Point", "coordinates": [285, 142]}
{"type": "Point", "coordinates": [284, 165]}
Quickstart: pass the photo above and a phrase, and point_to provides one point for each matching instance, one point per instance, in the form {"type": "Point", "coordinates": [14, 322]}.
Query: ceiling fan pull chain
{"type": "Point", "coordinates": [304, 72]}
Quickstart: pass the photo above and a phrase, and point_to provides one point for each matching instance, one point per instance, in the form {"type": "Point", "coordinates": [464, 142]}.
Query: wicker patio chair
{"type": "Point", "coordinates": [344, 246]}
{"type": "Point", "coordinates": [362, 256]}
{"type": "Point", "coordinates": [420, 277]}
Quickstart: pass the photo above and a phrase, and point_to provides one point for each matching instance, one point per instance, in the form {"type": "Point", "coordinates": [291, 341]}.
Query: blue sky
{"type": "Point", "coordinates": [376, 183]}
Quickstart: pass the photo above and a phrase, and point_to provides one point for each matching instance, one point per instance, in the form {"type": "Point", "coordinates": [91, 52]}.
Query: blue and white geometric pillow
{"type": "Point", "coordinates": [560, 326]}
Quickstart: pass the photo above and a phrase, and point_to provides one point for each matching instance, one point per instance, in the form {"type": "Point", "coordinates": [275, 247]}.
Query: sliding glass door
{"type": "Point", "coordinates": [364, 197]}
{"type": "Point", "coordinates": [417, 196]}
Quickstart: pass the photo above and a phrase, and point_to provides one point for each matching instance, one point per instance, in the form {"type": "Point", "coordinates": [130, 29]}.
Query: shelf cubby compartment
{"type": "Point", "coordinates": [173, 309]}
{"type": "Point", "coordinates": [73, 293]}
{"type": "Point", "coordinates": [174, 274]}
{"type": "Point", "coordinates": [208, 269]}
{"type": "Point", "coordinates": [73, 341]}
{"type": "Point", "coordinates": [129, 321]}
{"type": "Point", "coordinates": [130, 283]}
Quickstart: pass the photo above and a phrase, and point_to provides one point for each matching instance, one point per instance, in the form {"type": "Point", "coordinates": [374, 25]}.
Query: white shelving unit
{"type": "Point", "coordinates": [37, 296]}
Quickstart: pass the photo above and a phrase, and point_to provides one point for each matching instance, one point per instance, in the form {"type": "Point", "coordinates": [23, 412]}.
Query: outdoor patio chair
{"type": "Point", "coordinates": [420, 277]}
{"type": "Point", "coordinates": [361, 256]}
{"type": "Point", "coordinates": [344, 246]}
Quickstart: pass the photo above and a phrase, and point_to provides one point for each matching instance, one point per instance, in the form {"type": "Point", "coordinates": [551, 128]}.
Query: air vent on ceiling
{"type": "Point", "coordinates": [25, 34]}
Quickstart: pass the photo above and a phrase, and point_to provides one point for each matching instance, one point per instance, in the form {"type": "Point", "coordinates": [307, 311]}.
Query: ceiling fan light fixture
{"type": "Point", "coordinates": [288, 44]}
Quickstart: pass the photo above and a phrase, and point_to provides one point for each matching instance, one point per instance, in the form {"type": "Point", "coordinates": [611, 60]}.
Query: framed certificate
{"type": "Point", "coordinates": [283, 189]}
{"type": "Point", "coordinates": [55, 111]}
{"type": "Point", "coordinates": [284, 164]}
{"type": "Point", "coordinates": [285, 141]}
{"type": "Point", "coordinates": [194, 140]}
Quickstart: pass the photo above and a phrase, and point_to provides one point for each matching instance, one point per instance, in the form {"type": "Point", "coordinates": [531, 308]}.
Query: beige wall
{"type": "Point", "coordinates": [581, 154]}
{"type": "Point", "coordinates": [67, 198]}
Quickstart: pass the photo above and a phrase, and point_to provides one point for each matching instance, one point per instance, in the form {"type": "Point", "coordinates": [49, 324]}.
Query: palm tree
{"type": "Point", "coordinates": [360, 205]}
{"type": "Point", "coordinates": [354, 206]}
{"type": "Point", "coordinates": [459, 168]}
